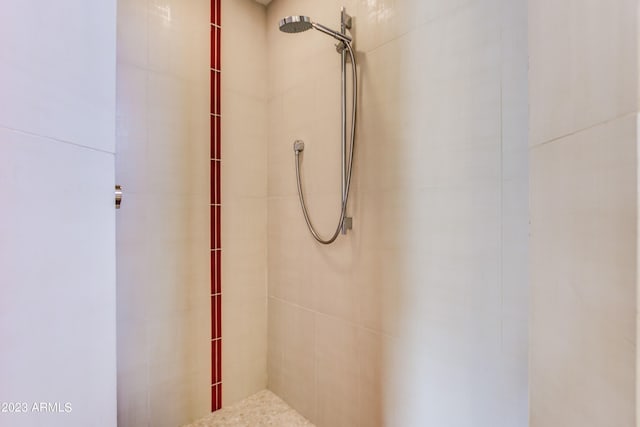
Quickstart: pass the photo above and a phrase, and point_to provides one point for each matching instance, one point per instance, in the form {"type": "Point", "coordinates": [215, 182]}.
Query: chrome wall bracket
{"type": "Point", "coordinates": [347, 20]}
{"type": "Point", "coordinates": [347, 224]}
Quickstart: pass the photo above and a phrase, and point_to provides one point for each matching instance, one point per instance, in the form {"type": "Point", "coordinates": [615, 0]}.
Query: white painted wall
{"type": "Point", "coordinates": [583, 89]}
{"type": "Point", "coordinates": [419, 316]}
{"type": "Point", "coordinates": [57, 244]}
{"type": "Point", "coordinates": [163, 233]}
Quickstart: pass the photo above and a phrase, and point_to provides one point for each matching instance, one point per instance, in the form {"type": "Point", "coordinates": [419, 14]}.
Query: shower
{"type": "Point", "coordinates": [298, 24]}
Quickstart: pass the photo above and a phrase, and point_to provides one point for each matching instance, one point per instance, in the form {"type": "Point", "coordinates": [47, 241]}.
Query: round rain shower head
{"type": "Point", "coordinates": [295, 24]}
{"type": "Point", "coordinates": [300, 23]}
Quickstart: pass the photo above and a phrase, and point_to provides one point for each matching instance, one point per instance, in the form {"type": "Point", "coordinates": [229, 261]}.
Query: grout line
{"type": "Point", "coordinates": [501, 202]}
{"type": "Point", "coordinates": [316, 374]}
{"type": "Point", "coordinates": [330, 316]}
{"type": "Point", "coordinates": [588, 128]}
{"type": "Point", "coordinates": [62, 141]}
{"type": "Point", "coordinates": [416, 27]}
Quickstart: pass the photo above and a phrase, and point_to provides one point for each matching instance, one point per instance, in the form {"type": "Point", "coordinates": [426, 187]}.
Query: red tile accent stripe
{"type": "Point", "coordinates": [215, 137]}
{"type": "Point", "coordinates": [216, 396]}
{"type": "Point", "coordinates": [215, 12]}
{"type": "Point", "coordinates": [215, 182]}
{"type": "Point", "coordinates": [215, 47]}
{"type": "Point", "coordinates": [216, 305]}
{"type": "Point", "coordinates": [215, 92]}
{"type": "Point", "coordinates": [215, 272]}
{"type": "Point", "coordinates": [216, 370]}
{"type": "Point", "coordinates": [215, 227]}
{"type": "Point", "coordinates": [215, 207]}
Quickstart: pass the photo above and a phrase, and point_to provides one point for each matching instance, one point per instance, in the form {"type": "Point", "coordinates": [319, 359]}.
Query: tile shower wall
{"type": "Point", "coordinates": [244, 197]}
{"type": "Point", "coordinates": [163, 248]}
{"type": "Point", "coordinates": [419, 316]}
{"type": "Point", "coordinates": [583, 135]}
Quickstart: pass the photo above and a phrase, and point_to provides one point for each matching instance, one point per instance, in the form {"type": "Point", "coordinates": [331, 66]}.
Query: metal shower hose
{"type": "Point", "coordinates": [345, 196]}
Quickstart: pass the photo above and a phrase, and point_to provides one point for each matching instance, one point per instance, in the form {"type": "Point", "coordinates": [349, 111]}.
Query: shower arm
{"type": "Point", "coordinates": [345, 38]}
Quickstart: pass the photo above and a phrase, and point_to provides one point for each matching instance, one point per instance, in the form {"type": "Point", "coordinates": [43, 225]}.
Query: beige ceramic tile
{"type": "Point", "coordinates": [583, 312]}
{"type": "Point", "coordinates": [337, 372]}
{"type": "Point", "coordinates": [583, 67]}
{"type": "Point", "coordinates": [244, 199]}
{"type": "Point", "coordinates": [292, 332]}
{"type": "Point", "coordinates": [244, 50]}
{"type": "Point", "coordinates": [244, 323]}
{"type": "Point", "coordinates": [244, 148]}
{"type": "Point", "coordinates": [179, 38]}
{"type": "Point", "coordinates": [133, 383]}
{"type": "Point", "coordinates": [131, 128]}
{"type": "Point", "coordinates": [371, 377]}
{"type": "Point", "coordinates": [275, 344]}
{"type": "Point", "coordinates": [132, 33]}
{"type": "Point", "coordinates": [288, 271]}
{"type": "Point", "coordinates": [163, 229]}
{"type": "Point", "coordinates": [427, 200]}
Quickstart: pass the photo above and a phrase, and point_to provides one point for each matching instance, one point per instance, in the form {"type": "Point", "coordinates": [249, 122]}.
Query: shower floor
{"type": "Point", "coordinates": [262, 409]}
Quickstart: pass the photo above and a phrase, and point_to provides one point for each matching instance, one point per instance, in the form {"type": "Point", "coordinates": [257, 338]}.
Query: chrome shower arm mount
{"type": "Point", "coordinates": [345, 38]}
{"type": "Point", "coordinates": [346, 20]}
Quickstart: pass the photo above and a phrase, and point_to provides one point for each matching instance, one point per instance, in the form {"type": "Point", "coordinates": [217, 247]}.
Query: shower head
{"type": "Point", "coordinates": [295, 24]}
{"type": "Point", "coordinates": [300, 23]}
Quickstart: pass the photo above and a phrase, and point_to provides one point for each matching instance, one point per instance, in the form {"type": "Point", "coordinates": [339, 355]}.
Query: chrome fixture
{"type": "Point", "coordinates": [298, 24]}
{"type": "Point", "coordinates": [118, 194]}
